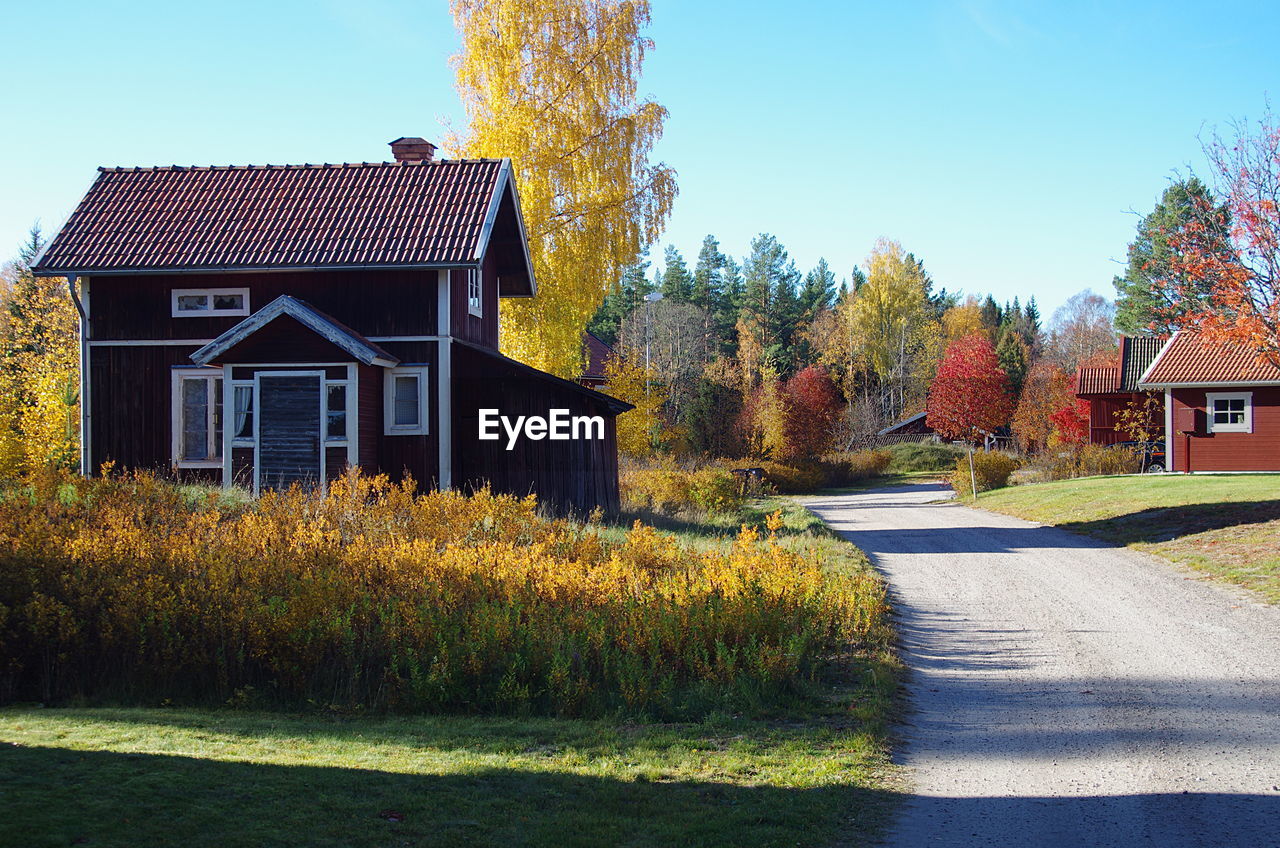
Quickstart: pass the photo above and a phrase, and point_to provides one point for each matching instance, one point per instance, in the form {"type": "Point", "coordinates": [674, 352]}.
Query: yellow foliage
{"type": "Point", "coordinates": [376, 596]}
{"type": "Point", "coordinates": [640, 430]}
{"type": "Point", "coordinates": [552, 85]}
{"type": "Point", "coordinates": [963, 320]}
{"type": "Point", "coordinates": [39, 375]}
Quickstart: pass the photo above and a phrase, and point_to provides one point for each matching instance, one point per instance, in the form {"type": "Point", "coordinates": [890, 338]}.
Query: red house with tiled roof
{"type": "Point", "coordinates": [1222, 405]}
{"type": "Point", "coordinates": [271, 325]}
{"type": "Point", "coordinates": [1111, 388]}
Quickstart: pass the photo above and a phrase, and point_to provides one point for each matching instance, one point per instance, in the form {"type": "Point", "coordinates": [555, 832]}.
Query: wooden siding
{"type": "Point", "coordinates": [398, 456]}
{"type": "Point", "coordinates": [288, 422]}
{"type": "Point", "coordinates": [129, 405]}
{"type": "Point", "coordinates": [575, 475]}
{"type": "Point", "coordinates": [1256, 451]}
{"type": "Point", "coordinates": [284, 340]}
{"type": "Point", "coordinates": [482, 330]}
{"type": "Point", "coordinates": [373, 303]}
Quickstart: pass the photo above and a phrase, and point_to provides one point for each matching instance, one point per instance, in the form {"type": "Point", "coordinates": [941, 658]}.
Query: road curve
{"type": "Point", "coordinates": [1063, 692]}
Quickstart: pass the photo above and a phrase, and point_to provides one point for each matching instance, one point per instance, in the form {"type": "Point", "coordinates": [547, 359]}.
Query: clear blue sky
{"type": "Point", "coordinates": [1006, 144]}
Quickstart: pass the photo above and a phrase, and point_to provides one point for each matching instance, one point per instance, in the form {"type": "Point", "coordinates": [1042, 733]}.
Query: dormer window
{"type": "Point", "coordinates": [209, 303]}
{"type": "Point", "coordinates": [475, 301]}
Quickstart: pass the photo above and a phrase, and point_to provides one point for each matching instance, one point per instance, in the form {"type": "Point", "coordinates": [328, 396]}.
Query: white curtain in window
{"type": "Point", "coordinates": [243, 406]}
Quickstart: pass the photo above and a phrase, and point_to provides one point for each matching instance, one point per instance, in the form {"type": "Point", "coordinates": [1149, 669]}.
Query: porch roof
{"type": "Point", "coordinates": [330, 329]}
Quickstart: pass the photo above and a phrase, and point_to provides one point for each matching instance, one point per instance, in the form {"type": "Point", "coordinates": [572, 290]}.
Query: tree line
{"type": "Point", "coordinates": [750, 352]}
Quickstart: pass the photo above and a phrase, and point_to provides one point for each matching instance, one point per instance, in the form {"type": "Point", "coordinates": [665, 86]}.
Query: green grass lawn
{"type": "Point", "coordinates": [815, 774]}
{"type": "Point", "coordinates": [1226, 525]}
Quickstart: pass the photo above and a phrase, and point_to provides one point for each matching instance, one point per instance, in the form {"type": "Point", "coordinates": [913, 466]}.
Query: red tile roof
{"type": "Point", "coordinates": [386, 214]}
{"type": "Point", "coordinates": [1190, 358]}
{"type": "Point", "coordinates": [1097, 381]}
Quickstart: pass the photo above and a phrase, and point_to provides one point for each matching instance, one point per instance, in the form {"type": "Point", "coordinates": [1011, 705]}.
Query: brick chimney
{"type": "Point", "coordinates": [413, 150]}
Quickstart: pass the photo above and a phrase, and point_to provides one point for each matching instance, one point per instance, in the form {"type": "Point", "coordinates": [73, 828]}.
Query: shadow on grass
{"type": "Point", "coordinates": [57, 796]}
{"type": "Point", "coordinates": [1164, 524]}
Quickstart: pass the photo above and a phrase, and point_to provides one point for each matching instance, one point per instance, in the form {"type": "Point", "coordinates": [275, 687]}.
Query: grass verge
{"type": "Point", "coordinates": [1227, 526]}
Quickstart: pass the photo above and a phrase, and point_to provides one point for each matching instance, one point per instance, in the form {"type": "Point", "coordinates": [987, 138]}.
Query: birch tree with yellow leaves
{"type": "Point", "coordinates": [552, 84]}
{"type": "Point", "coordinates": [887, 327]}
{"type": "Point", "coordinates": [39, 358]}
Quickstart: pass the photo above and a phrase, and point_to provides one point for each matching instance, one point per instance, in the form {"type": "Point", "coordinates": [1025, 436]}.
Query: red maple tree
{"type": "Point", "coordinates": [970, 396]}
{"type": "Point", "coordinates": [1233, 253]}
{"type": "Point", "coordinates": [812, 411]}
{"type": "Point", "coordinates": [1071, 423]}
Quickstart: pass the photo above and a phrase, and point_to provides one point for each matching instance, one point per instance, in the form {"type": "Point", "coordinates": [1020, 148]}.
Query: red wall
{"type": "Point", "coordinates": [1256, 451]}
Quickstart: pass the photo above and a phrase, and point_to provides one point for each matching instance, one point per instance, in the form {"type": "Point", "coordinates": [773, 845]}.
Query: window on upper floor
{"type": "Point", "coordinates": [204, 303]}
{"type": "Point", "coordinates": [1230, 412]}
{"type": "Point", "coordinates": [475, 294]}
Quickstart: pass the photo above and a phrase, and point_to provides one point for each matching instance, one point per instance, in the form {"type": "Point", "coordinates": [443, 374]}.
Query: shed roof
{"type": "Point", "coordinates": [367, 215]}
{"type": "Point", "coordinates": [1189, 359]}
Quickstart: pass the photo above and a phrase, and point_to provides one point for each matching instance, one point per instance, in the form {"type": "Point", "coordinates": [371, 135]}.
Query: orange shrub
{"type": "Point", "coordinates": [127, 589]}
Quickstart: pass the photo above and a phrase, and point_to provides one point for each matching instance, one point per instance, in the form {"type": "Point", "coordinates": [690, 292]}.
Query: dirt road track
{"type": "Point", "coordinates": [1068, 693]}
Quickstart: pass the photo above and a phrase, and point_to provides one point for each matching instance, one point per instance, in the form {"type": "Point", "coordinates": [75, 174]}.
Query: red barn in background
{"type": "Point", "coordinates": [1111, 388]}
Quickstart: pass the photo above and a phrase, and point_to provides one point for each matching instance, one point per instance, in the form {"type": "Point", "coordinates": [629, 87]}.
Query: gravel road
{"type": "Point", "coordinates": [1064, 692]}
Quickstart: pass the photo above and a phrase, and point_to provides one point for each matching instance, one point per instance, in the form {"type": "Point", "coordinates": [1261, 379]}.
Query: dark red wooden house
{"type": "Point", "coordinates": [266, 325]}
{"type": "Point", "coordinates": [1222, 405]}
{"type": "Point", "coordinates": [1109, 389]}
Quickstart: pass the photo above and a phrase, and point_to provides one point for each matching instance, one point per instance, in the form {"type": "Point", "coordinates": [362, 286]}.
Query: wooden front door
{"type": "Point", "coordinates": [289, 428]}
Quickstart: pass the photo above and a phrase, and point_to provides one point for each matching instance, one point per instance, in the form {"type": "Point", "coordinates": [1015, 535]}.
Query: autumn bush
{"type": "Point", "coordinates": [1088, 460]}
{"type": "Point", "coordinates": [668, 488]}
{"type": "Point", "coordinates": [830, 470]}
{"type": "Point", "coordinates": [922, 456]}
{"type": "Point", "coordinates": [794, 478]}
{"type": "Point", "coordinates": [991, 470]}
{"type": "Point", "coordinates": [375, 597]}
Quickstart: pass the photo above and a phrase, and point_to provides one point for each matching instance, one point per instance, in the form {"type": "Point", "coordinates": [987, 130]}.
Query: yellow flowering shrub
{"type": "Point", "coordinates": [132, 589]}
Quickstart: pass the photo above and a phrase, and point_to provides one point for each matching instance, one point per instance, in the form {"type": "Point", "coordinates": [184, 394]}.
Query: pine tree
{"type": "Point", "coordinates": [677, 282]}
{"type": "Point", "coordinates": [1145, 292]}
{"type": "Point", "coordinates": [1013, 356]}
{"type": "Point", "coordinates": [623, 299]}
{"type": "Point", "coordinates": [708, 275]}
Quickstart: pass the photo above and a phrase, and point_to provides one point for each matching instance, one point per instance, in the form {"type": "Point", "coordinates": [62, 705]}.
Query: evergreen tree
{"type": "Point", "coordinates": [725, 313]}
{"type": "Point", "coordinates": [708, 275]}
{"type": "Point", "coordinates": [1014, 357]}
{"type": "Point", "coordinates": [627, 294]}
{"type": "Point", "coordinates": [991, 314]}
{"type": "Point", "coordinates": [1143, 294]}
{"type": "Point", "coordinates": [677, 282]}
{"type": "Point", "coordinates": [770, 303]}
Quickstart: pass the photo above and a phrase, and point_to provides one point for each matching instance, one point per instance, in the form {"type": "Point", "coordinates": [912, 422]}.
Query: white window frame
{"type": "Point", "coordinates": [475, 292]}
{"type": "Point", "coordinates": [1244, 427]}
{"type": "Point", "coordinates": [343, 440]}
{"type": "Point", "coordinates": [389, 428]}
{"type": "Point", "coordinates": [210, 312]}
{"type": "Point", "coordinates": [211, 375]}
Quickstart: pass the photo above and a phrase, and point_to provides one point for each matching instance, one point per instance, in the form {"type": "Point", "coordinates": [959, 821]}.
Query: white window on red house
{"type": "Point", "coordinates": [207, 303]}
{"type": "Point", "coordinates": [197, 417]}
{"type": "Point", "coordinates": [1230, 412]}
{"type": "Point", "coordinates": [475, 302]}
{"type": "Point", "coordinates": [405, 401]}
